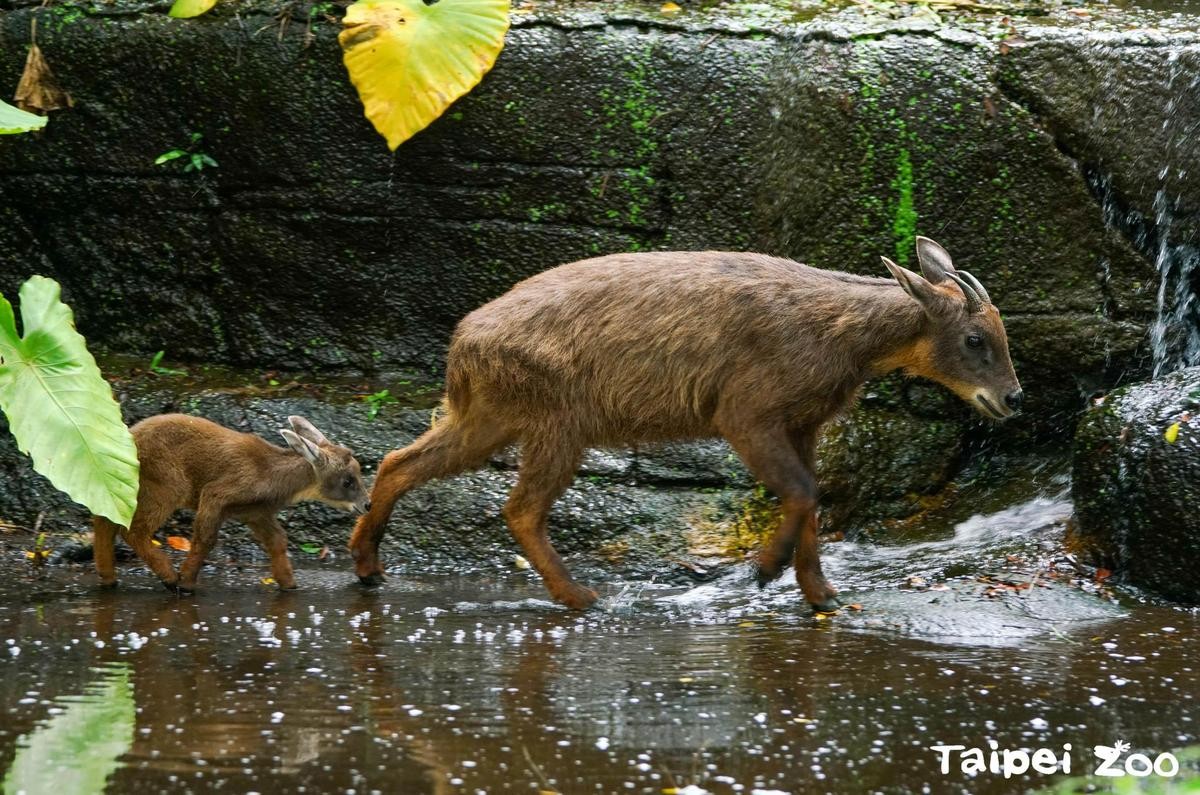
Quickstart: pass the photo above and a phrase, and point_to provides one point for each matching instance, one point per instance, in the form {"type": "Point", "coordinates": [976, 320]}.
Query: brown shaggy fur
{"type": "Point", "coordinates": [646, 347]}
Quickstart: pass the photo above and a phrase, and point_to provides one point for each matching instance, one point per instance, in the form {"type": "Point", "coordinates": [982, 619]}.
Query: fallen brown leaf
{"type": "Point", "coordinates": [38, 91]}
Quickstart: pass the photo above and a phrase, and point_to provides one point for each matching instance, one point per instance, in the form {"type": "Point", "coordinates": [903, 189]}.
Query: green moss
{"type": "Point", "coordinates": [65, 15]}
{"type": "Point", "coordinates": [548, 212]}
{"type": "Point", "coordinates": [634, 109]}
{"type": "Point", "coordinates": [890, 182]}
{"type": "Point", "coordinates": [904, 226]}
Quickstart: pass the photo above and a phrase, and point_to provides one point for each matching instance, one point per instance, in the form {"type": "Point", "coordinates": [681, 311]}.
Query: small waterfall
{"type": "Point", "coordinates": [1165, 236]}
{"type": "Point", "coordinates": [1175, 335]}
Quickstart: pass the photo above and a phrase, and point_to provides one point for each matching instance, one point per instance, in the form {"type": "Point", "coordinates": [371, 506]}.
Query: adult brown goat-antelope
{"type": "Point", "coordinates": [189, 462]}
{"type": "Point", "coordinates": [660, 346]}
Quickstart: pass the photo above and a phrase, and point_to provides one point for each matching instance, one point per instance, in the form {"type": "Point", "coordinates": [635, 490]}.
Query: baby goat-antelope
{"type": "Point", "coordinates": [189, 462]}
{"type": "Point", "coordinates": [648, 347]}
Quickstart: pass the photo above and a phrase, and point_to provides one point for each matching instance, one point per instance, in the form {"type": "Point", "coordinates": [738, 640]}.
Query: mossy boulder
{"type": "Point", "coordinates": [1136, 484]}
{"type": "Point", "coordinates": [881, 464]}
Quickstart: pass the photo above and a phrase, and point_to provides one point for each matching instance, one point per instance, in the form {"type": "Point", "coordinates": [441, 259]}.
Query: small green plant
{"type": "Point", "coordinates": [39, 553]}
{"type": "Point", "coordinates": [376, 402]}
{"type": "Point", "coordinates": [157, 368]}
{"type": "Point", "coordinates": [194, 160]}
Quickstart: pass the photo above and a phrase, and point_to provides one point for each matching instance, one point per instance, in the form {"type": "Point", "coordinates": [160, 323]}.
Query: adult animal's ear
{"type": "Point", "coordinates": [311, 452]}
{"type": "Point", "coordinates": [935, 261]}
{"type": "Point", "coordinates": [915, 285]}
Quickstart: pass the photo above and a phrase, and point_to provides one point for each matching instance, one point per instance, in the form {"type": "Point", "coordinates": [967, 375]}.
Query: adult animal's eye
{"type": "Point", "coordinates": [347, 481]}
{"type": "Point", "coordinates": [974, 341]}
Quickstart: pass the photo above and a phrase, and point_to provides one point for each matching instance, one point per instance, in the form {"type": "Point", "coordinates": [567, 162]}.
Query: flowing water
{"type": "Point", "coordinates": [477, 683]}
{"type": "Point", "coordinates": [1165, 232]}
{"type": "Point", "coordinates": [1175, 335]}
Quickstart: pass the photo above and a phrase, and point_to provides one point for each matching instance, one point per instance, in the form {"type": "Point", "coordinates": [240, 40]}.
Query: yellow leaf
{"type": "Point", "coordinates": [186, 9]}
{"type": "Point", "coordinates": [1172, 433]}
{"type": "Point", "coordinates": [670, 8]}
{"type": "Point", "coordinates": [267, 580]}
{"type": "Point", "coordinates": [410, 61]}
{"type": "Point", "coordinates": [179, 542]}
{"type": "Point", "coordinates": [156, 542]}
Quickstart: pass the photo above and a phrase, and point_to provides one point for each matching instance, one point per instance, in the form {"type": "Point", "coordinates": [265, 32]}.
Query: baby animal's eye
{"type": "Point", "coordinates": [974, 341]}
{"type": "Point", "coordinates": [347, 481]}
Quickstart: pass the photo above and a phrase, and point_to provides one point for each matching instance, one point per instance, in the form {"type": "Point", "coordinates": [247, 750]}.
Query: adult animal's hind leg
{"type": "Point", "coordinates": [454, 445]}
{"type": "Point", "coordinates": [547, 469]}
{"type": "Point", "coordinates": [771, 457]}
{"type": "Point", "coordinates": [778, 553]}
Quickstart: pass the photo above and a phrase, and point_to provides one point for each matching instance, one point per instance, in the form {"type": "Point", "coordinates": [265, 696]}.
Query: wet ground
{"type": "Point", "coordinates": [476, 683]}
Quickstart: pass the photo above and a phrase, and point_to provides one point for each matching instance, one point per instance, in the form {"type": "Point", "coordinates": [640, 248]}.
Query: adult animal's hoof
{"type": "Point", "coordinates": [830, 605]}
{"type": "Point", "coordinates": [765, 575]}
{"type": "Point", "coordinates": [576, 597]}
{"type": "Point", "coordinates": [372, 580]}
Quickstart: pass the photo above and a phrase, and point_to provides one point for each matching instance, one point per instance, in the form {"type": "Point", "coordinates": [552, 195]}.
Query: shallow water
{"type": "Point", "coordinates": [478, 683]}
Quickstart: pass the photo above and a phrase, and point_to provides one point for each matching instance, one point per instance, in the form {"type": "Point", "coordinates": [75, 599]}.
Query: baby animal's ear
{"type": "Point", "coordinates": [312, 454]}
{"type": "Point", "coordinates": [306, 429]}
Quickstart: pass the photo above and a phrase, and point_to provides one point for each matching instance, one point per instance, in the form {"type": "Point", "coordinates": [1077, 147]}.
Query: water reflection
{"type": "Point", "coordinates": [77, 747]}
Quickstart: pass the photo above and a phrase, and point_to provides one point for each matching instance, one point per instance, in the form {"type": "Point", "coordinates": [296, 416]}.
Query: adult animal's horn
{"type": "Point", "coordinates": [983, 294]}
{"type": "Point", "coordinates": [974, 300]}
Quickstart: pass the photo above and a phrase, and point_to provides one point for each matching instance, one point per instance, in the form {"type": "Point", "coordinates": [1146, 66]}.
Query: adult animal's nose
{"type": "Point", "coordinates": [1014, 399]}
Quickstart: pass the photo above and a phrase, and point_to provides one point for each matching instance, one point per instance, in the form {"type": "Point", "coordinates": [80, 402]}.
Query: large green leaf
{"type": "Point", "coordinates": [78, 748]}
{"type": "Point", "coordinates": [410, 61]}
{"type": "Point", "coordinates": [15, 120]}
{"type": "Point", "coordinates": [59, 407]}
